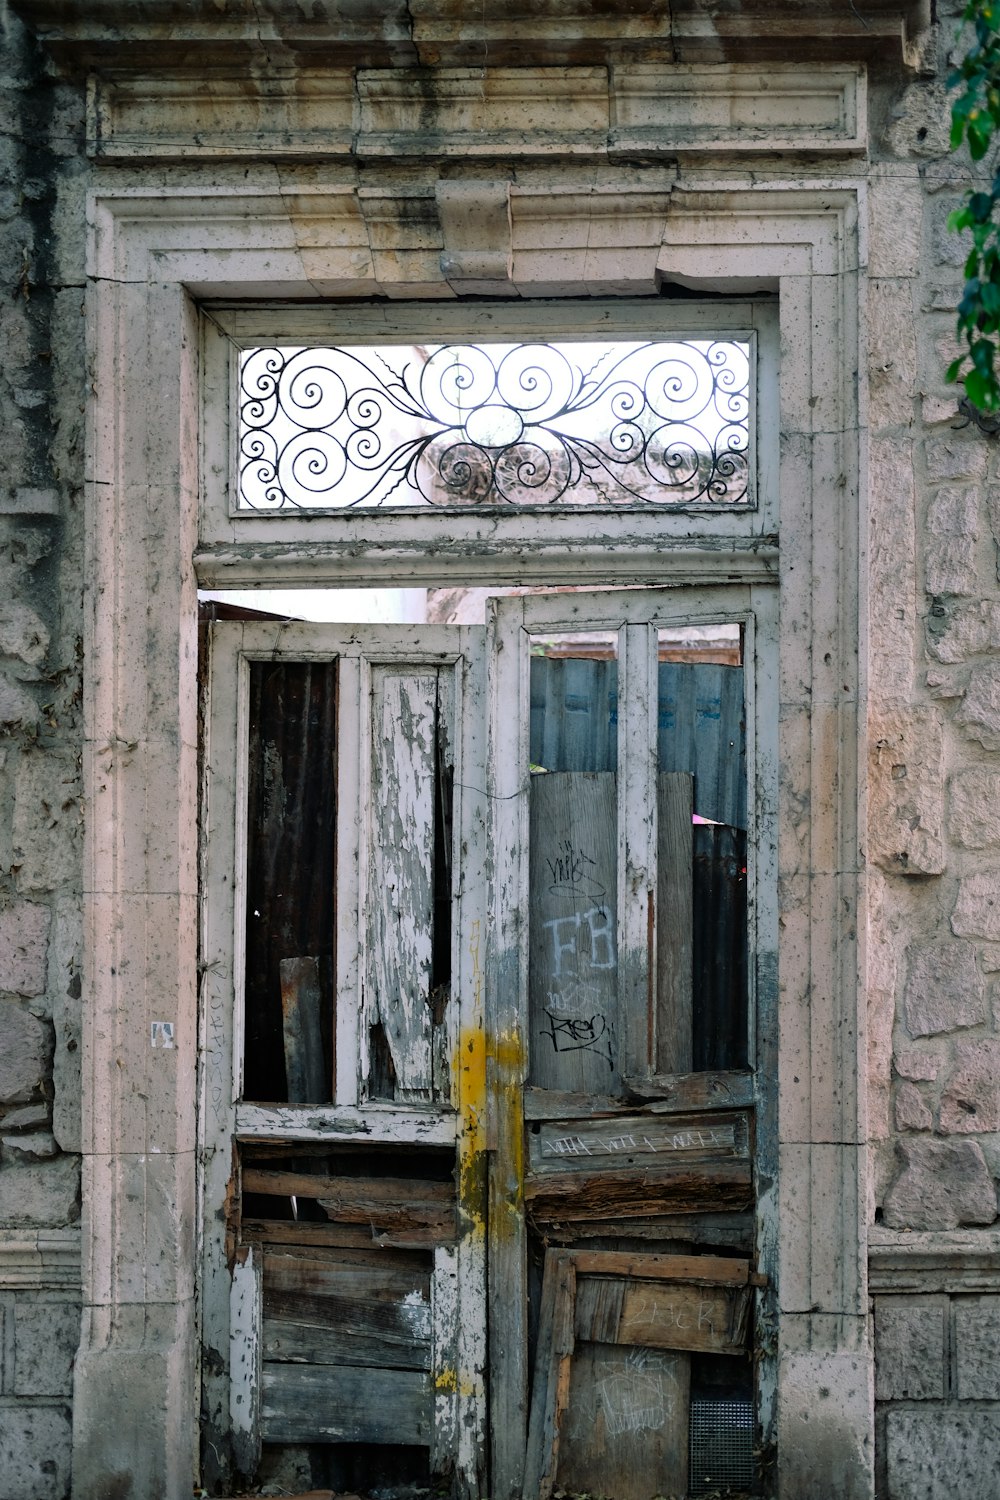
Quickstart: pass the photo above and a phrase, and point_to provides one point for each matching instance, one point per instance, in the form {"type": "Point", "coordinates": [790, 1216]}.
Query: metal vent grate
{"type": "Point", "coordinates": [721, 1444]}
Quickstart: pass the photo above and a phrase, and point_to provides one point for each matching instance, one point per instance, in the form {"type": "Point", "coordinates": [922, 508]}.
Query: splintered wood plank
{"type": "Point", "coordinates": [572, 961]}
{"type": "Point", "coordinates": [400, 907]}
{"type": "Point", "coordinates": [327, 1404]}
{"type": "Point", "coordinates": [343, 1332]}
{"type": "Point", "coordinates": [637, 1141]}
{"type": "Point", "coordinates": [674, 921]}
{"type": "Point", "coordinates": [360, 1336]}
{"type": "Point", "coordinates": [672, 1093]}
{"type": "Point", "coordinates": [557, 1104]}
{"type": "Point", "coordinates": [709, 1188]}
{"type": "Point", "coordinates": [708, 1319]}
{"type": "Point", "coordinates": [301, 1007]}
{"type": "Point", "coordinates": [382, 1202]}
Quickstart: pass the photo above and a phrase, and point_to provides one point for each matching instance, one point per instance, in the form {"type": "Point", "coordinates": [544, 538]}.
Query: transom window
{"type": "Point", "coordinates": [664, 422]}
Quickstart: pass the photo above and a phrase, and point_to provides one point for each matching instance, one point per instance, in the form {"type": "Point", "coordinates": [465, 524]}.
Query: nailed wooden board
{"type": "Point", "coordinates": [705, 1270]}
{"type": "Point", "coordinates": [610, 1403]}
{"type": "Point", "coordinates": [735, 1231]}
{"type": "Point", "coordinates": [385, 1203]}
{"type": "Point", "coordinates": [625, 1430]}
{"type": "Point", "coordinates": [324, 1313]}
{"type": "Point", "coordinates": [637, 1141]}
{"type": "Point", "coordinates": [572, 955]}
{"type": "Point", "coordinates": [293, 1234]}
{"type": "Point", "coordinates": [324, 1403]}
{"type": "Point", "coordinates": [712, 1320]}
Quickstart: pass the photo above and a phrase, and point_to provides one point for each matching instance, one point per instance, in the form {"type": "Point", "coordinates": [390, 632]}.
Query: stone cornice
{"type": "Point", "coordinates": [957, 1260]}
{"type": "Point", "coordinates": [254, 35]}
{"type": "Point", "coordinates": [627, 112]}
{"type": "Point", "coordinates": [31, 1259]}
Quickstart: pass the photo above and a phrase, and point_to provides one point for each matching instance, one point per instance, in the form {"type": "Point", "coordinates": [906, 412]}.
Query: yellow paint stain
{"type": "Point", "coordinates": [469, 1070]}
{"type": "Point", "coordinates": [484, 1066]}
{"type": "Point", "coordinates": [451, 1383]}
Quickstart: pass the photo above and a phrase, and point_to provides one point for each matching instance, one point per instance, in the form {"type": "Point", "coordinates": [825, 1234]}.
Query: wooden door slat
{"type": "Point", "coordinates": [324, 1403]}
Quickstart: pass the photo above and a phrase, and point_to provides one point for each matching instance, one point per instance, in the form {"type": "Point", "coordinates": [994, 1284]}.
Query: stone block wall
{"type": "Point", "coordinates": [933, 940]}
{"type": "Point", "coordinates": [937, 1392]}
{"type": "Point", "coordinates": [933, 953]}
{"type": "Point", "coordinates": [42, 400]}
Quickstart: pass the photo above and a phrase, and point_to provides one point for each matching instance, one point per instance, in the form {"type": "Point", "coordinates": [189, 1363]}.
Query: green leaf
{"type": "Point", "coordinates": [982, 390]}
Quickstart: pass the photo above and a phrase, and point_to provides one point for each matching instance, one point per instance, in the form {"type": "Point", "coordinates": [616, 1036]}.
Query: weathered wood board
{"type": "Point", "coordinates": [712, 1320]}
{"type": "Point", "coordinates": [674, 922]}
{"type": "Point", "coordinates": [327, 1404]}
{"type": "Point", "coordinates": [400, 905]}
{"type": "Point", "coordinates": [611, 1393]}
{"type": "Point", "coordinates": [572, 963]}
{"type": "Point", "coordinates": [637, 1141]}
{"type": "Point", "coordinates": [672, 1093]}
{"type": "Point", "coordinates": [380, 1202]}
{"type": "Point", "coordinates": [563, 1199]}
{"type": "Point", "coordinates": [735, 1230]}
{"type": "Point", "coordinates": [325, 1312]}
{"type": "Point", "coordinates": [700, 1270]}
{"type": "Point", "coordinates": [301, 1007]}
{"type": "Point", "coordinates": [638, 1166]}
{"type": "Point", "coordinates": [312, 1234]}
{"type": "Point", "coordinates": [625, 1430]}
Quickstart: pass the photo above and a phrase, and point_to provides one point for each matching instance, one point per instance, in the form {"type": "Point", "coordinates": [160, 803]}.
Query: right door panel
{"type": "Point", "coordinates": [622, 1023]}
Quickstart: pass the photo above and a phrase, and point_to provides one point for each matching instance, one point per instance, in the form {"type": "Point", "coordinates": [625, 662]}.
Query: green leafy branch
{"type": "Point", "coordinates": [975, 119]}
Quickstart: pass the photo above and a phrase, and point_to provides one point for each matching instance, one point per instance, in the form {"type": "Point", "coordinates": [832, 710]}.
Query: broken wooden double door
{"type": "Point", "coordinates": [478, 1094]}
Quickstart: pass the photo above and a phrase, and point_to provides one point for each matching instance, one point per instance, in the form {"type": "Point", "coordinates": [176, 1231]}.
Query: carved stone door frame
{"type": "Point", "coordinates": [159, 247]}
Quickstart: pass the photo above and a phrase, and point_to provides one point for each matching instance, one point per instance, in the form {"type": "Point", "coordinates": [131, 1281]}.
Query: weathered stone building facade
{"type": "Point", "coordinates": [167, 170]}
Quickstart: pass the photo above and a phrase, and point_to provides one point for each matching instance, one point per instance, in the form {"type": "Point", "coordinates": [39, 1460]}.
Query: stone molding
{"type": "Point", "coordinates": [40, 1259]}
{"type": "Point", "coordinates": [517, 113]}
{"type": "Point", "coordinates": [952, 1261]}
{"type": "Point", "coordinates": [254, 34]}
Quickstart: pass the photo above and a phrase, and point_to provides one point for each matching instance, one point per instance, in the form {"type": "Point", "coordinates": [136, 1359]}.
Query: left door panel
{"type": "Point", "coordinates": [342, 1089]}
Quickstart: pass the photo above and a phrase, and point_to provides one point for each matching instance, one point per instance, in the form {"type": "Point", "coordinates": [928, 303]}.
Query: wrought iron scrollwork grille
{"type": "Point", "coordinates": [522, 425]}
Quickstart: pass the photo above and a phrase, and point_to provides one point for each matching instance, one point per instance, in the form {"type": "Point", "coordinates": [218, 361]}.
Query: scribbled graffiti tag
{"type": "Point", "coordinates": [580, 1034]}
